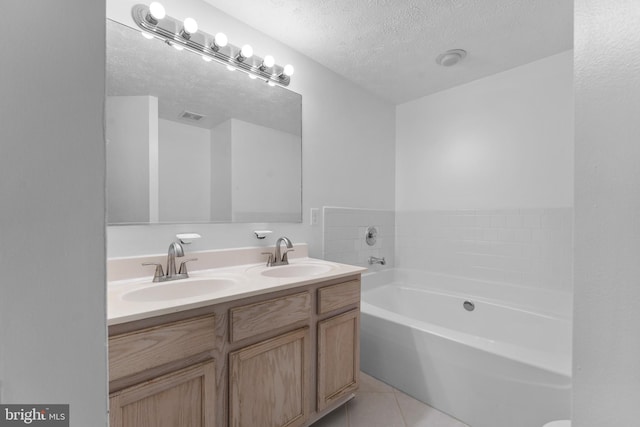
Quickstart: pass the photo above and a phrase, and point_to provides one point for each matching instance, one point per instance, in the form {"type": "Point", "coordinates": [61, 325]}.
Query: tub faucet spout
{"type": "Point", "coordinates": [376, 260]}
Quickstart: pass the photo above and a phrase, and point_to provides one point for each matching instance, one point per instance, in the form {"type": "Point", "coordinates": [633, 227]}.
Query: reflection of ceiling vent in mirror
{"type": "Point", "coordinates": [188, 115]}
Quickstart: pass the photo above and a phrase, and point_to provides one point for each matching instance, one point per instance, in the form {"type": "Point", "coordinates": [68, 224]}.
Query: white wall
{"type": "Point", "coordinates": [504, 141]}
{"type": "Point", "coordinates": [130, 143]}
{"type": "Point", "coordinates": [184, 172]}
{"type": "Point", "coordinates": [52, 223]}
{"type": "Point", "coordinates": [530, 247]}
{"type": "Point", "coordinates": [345, 231]}
{"type": "Point", "coordinates": [606, 357]}
{"type": "Point", "coordinates": [485, 178]}
{"type": "Point", "coordinates": [347, 144]}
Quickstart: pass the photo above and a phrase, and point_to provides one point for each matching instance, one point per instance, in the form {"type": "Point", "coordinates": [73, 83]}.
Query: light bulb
{"type": "Point", "coordinates": [246, 51]}
{"type": "Point", "coordinates": [268, 61]}
{"type": "Point", "coordinates": [206, 58]}
{"type": "Point", "coordinates": [147, 36]}
{"type": "Point", "coordinates": [157, 10]}
{"type": "Point", "coordinates": [288, 70]}
{"type": "Point", "coordinates": [190, 25]}
{"type": "Point", "coordinates": [220, 40]}
{"type": "Point", "coordinates": [252, 77]}
{"type": "Point", "coordinates": [230, 68]}
{"type": "Point", "coordinates": [270, 83]}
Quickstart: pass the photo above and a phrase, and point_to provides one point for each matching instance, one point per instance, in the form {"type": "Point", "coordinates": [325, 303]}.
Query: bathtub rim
{"type": "Point", "coordinates": [398, 274]}
{"type": "Point", "coordinates": [560, 364]}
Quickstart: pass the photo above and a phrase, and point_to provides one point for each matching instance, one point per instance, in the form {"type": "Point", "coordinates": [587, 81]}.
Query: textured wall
{"type": "Point", "coordinates": [498, 34]}
{"type": "Point", "coordinates": [607, 214]}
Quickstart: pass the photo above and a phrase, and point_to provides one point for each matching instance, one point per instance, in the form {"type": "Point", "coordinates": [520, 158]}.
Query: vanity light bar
{"type": "Point", "coordinates": [152, 20]}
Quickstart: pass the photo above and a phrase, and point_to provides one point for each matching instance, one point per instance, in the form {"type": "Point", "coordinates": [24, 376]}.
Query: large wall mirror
{"type": "Point", "coordinates": [190, 141]}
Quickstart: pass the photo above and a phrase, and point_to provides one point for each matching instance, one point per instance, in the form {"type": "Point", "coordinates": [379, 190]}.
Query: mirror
{"type": "Point", "coordinates": [189, 141]}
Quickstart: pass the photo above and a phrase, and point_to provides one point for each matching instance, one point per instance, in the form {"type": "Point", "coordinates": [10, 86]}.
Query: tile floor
{"type": "Point", "coordinates": [379, 405]}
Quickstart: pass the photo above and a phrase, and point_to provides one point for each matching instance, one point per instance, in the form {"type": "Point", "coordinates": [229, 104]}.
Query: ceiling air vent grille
{"type": "Point", "coordinates": [188, 115]}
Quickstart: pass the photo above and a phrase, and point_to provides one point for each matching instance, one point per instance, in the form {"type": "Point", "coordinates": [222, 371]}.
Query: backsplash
{"type": "Point", "coordinates": [344, 235]}
{"type": "Point", "coordinates": [530, 247]}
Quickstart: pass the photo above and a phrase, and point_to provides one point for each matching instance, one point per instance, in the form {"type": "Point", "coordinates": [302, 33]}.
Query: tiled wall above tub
{"type": "Point", "coordinates": [530, 247]}
{"type": "Point", "coordinates": [345, 231]}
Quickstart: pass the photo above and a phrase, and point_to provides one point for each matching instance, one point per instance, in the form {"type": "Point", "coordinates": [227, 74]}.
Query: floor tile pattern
{"type": "Point", "coordinates": [379, 405]}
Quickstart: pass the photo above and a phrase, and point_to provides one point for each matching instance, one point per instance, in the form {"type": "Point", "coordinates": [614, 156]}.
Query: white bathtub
{"type": "Point", "coordinates": [507, 363]}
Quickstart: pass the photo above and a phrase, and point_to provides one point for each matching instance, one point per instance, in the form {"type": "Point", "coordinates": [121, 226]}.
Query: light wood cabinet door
{"type": "Point", "coordinates": [338, 357]}
{"type": "Point", "coordinates": [269, 382]}
{"type": "Point", "coordinates": [184, 398]}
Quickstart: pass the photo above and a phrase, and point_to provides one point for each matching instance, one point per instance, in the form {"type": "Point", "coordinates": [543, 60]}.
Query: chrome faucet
{"type": "Point", "coordinates": [279, 257]}
{"type": "Point", "coordinates": [375, 260]}
{"type": "Point", "coordinates": [175, 250]}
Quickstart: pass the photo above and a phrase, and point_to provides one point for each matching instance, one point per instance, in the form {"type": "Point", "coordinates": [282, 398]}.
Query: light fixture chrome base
{"type": "Point", "coordinates": [451, 57]}
{"type": "Point", "coordinates": [169, 30]}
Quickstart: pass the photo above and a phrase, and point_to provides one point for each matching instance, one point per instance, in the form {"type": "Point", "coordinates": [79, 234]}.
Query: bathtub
{"type": "Point", "coordinates": [503, 361]}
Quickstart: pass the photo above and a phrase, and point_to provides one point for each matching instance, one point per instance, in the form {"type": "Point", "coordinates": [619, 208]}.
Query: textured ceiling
{"type": "Point", "coordinates": [389, 47]}
{"type": "Point", "coordinates": [183, 81]}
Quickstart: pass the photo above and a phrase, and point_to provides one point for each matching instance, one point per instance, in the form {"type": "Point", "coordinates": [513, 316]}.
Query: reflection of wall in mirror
{"type": "Point", "coordinates": [132, 140]}
{"type": "Point", "coordinates": [266, 174]}
{"type": "Point", "coordinates": [185, 173]}
{"type": "Point", "coordinates": [221, 208]}
{"type": "Point", "coordinates": [237, 171]}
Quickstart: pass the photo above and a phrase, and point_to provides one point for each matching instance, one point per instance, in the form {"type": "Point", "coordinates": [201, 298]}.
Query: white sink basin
{"type": "Point", "coordinates": [179, 289]}
{"type": "Point", "coordinates": [296, 270]}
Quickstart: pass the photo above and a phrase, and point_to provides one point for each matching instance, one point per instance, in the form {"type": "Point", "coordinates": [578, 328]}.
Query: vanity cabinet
{"type": "Point", "coordinates": [164, 376]}
{"type": "Point", "coordinates": [338, 357]}
{"type": "Point", "coordinates": [338, 362]}
{"type": "Point", "coordinates": [183, 398]}
{"type": "Point", "coordinates": [262, 317]}
{"type": "Point", "coordinates": [278, 359]}
{"type": "Point", "coordinates": [268, 382]}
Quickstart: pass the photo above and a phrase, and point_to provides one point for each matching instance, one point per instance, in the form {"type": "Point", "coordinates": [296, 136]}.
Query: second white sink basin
{"type": "Point", "coordinates": [296, 270]}
{"type": "Point", "coordinates": [179, 289]}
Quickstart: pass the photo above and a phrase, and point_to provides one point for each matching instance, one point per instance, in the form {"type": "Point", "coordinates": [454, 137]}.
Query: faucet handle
{"type": "Point", "coordinates": [183, 266]}
{"type": "Point", "coordinates": [270, 259]}
{"type": "Point", "coordinates": [158, 273]}
{"type": "Point", "coordinates": [285, 260]}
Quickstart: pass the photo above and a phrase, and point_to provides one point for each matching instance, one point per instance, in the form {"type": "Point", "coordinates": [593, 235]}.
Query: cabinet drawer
{"type": "Point", "coordinates": [148, 348]}
{"type": "Point", "coordinates": [337, 296]}
{"type": "Point", "coordinates": [253, 319]}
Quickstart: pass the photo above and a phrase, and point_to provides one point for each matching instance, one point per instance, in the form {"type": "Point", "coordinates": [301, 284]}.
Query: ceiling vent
{"type": "Point", "coordinates": [188, 115]}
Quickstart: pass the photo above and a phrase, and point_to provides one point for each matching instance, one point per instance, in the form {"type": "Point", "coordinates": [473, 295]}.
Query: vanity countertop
{"type": "Point", "coordinates": [139, 298]}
